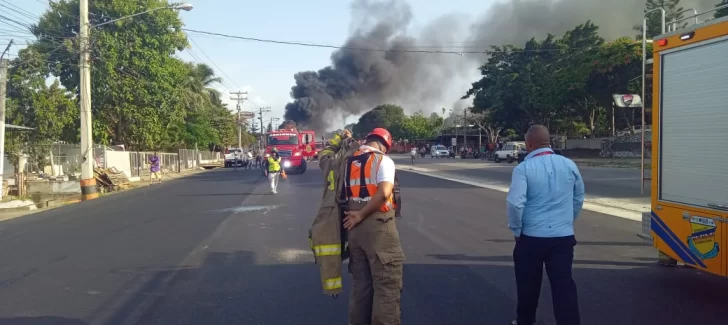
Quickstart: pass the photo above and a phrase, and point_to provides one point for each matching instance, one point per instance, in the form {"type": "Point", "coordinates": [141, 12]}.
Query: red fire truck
{"type": "Point", "coordinates": [291, 145]}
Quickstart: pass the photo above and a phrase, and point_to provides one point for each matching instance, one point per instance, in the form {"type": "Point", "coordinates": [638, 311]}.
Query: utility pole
{"type": "Point", "coordinates": [241, 97]}
{"type": "Point", "coordinates": [272, 126]}
{"type": "Point", "coordinates": [466, 125]}
{"type": "Point", "coordinates": [263, 140]}
{"type": "Point", "coordinates": [3, 82]}
{"type": "Point", "coordinates": [89, 190]}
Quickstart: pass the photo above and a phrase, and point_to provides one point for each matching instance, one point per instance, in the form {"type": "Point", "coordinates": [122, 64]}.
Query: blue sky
{"type": "Point", "coordinates": [266, 70]}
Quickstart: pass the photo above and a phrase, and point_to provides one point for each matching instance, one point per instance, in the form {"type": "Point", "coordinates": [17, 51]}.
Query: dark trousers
{"type": "Point", "coordinates": [529, 257]}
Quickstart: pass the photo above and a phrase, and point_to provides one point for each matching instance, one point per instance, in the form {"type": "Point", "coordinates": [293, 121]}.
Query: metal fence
{"type": "Point", "coordinates": [188, 158]}
{"type": "Point", "coordinates": [168, 162]}
{"type": "Point", "coordinates": [55, 159]}
{"type": "Point", "coordinates": [65, 159]}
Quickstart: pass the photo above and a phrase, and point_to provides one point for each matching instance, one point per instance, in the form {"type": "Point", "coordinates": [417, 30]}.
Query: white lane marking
{"type": "Point", "coordinates": [590, 206]}
{"type": "Point", "coordinates": [249, 208]}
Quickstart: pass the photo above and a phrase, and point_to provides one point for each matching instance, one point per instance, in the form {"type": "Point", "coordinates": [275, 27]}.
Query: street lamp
{"type": "Point", "coordinates": [88, 182]}
{"type": "Point", "coordinates": [184, 6]}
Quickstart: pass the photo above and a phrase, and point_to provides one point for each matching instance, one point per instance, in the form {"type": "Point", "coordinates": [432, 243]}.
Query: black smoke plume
{"type": "Point", "coordinates": [357, 80]}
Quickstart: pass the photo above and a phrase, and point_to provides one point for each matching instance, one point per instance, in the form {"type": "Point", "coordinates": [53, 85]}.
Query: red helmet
{"type": "Point", "coordinates": [383, 134]}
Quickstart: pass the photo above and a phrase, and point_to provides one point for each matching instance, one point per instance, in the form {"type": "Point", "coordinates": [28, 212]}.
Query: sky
{"type": "Point", "coordinates": [266, 70]}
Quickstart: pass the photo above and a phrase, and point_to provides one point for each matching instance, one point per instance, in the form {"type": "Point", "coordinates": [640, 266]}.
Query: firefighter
{"type": "Point", "coordinates": [367, 233]}
{"type": "Point", "coordinates": [273, 170]}
{"type": "Point", "coordinates": [375, 252]}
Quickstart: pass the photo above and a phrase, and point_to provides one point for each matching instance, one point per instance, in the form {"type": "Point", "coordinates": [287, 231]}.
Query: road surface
{"type": "Point", "coordinates": [618, 187]}
{"type": "Point", "coordinates": [216, 248]}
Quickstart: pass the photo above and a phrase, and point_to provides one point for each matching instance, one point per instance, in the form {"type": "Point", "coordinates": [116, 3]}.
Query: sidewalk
{"type": "Point", "coordinates": [627, 208]}
{"type": "Point", "coordinates": [13, 213]}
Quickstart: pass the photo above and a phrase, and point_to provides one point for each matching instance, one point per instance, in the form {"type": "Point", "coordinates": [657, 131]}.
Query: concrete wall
{"type": "Point", "coordinates": [8, 169]}
{"type": "Point", "coordinates": [593, 143]}
{"type": "Point", "coordinates": [121, 160]}
{"type": "Point", "coordinates": [55, 187]}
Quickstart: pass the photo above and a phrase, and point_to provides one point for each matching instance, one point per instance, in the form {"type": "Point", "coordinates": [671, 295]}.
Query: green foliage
{"type": "Point", "coordinates": [51, 110]}
{"type": "Point", "coordinates": [400, 125]}
{"type": "Point", "coordinates": [564, 83]}
{"type": "Point", "coordinates": [673, 12]}
{"type": "Point", "coordinates": [388, 116]}
{"type": "Point", "coordinates": [723, 11]}
{"type": "Point", "coordinates": [142, 95]}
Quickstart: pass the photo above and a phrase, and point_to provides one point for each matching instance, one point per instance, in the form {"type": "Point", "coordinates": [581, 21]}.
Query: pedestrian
{"type": "Point", "coordinates": [155, 170]}
{"type": "Point", "coordinates": [544, 200]}
{"type": "Point", "coordinates": [250, 159]}
{"type": "Point", "coordinates": [375, 252]}
{"type": "Point", "coordinates": [259, 158]}
{"type": "Point", "coordinates": [273, 170]}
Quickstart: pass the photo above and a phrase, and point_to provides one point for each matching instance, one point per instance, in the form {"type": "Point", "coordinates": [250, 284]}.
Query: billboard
{"type": "Point", "coordinates": [627, 100]}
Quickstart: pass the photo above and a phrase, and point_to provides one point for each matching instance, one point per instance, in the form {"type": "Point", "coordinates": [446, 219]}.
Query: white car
{"type": "Point", "coordinates": [510, 152]}
{"type": "Point", "coordinates": [439, 151]}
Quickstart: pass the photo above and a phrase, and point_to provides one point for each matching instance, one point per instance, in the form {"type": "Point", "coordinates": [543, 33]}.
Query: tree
{"type": "Point", "coordinates": [418, 126]}
{"type": "Point", "coordinates": [534, 84]}
{"type": "Point", "coordinates": [673, 12]}
{"type": "Point", "coordinates": [723, 11]}
{"type": "Point", "coordinates": [388, 116]}
{"type": "Point", "coordinates": [50, 110]}
{"type": "Point", "coordinates": [615, 69]}
{"type": "Point", "coordinates": [135, 80]}
{"type": "Point", "coordinates": [269, 128]}
{"type": "Point", "coordinates": [485, 120]}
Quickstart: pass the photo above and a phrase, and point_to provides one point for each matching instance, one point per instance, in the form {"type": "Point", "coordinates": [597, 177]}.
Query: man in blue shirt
{"type": "Point", "coordinates": [546, 196]}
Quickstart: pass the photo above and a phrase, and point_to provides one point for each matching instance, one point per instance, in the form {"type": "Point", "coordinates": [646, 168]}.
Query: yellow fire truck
{"type": "Point", "coordinates": [689, 216]}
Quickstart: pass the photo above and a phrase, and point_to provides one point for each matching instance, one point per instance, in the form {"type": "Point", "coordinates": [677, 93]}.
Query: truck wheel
{"type": "Point", "coordinates": [496, 160]}
{"type": "Point", "coordinates": [302, 169]}
{"type": "Point", "coordinates": [509, 159]}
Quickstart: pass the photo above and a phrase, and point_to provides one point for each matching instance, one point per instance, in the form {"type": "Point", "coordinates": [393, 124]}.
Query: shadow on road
{"type": "Point", "coordinates": [586, 243]}
{"type": "Point", "coordinates": [463, 257]}
{"type": "Point", "coordinates": [223, 194]}
{"type": "Point", "coordinates": [414, 180]}
{"type": "Point", "coordinates": [41, 321]}
{"type": "Point", "coordinates": [240, 288]}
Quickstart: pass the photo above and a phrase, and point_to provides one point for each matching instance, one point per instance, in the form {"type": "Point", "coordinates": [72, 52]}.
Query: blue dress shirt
{"type": "Point", "coordinates": [546, 196]}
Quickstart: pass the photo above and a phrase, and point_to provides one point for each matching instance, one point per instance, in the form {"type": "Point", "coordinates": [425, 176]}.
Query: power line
{"type": "Point", "coordinates": [263, 40]}
{"type": "Point", "coordinates": [213, 63]}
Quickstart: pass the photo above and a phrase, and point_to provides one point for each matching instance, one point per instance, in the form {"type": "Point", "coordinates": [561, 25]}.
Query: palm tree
{"type": "Point", "coordinates": [199, 93]}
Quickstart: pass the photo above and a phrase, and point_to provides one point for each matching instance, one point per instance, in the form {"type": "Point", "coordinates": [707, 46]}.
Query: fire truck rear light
{"type": "Point", "coordinates": [662, 42]}
{"type": "Point", "coordinates": [687, 36]}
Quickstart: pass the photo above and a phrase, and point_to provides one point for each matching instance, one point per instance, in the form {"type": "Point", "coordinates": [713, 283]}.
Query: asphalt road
{"type": "Point", "coordinates": [600, 181]}
{"type": "Point", "coordinates": [216, 248]}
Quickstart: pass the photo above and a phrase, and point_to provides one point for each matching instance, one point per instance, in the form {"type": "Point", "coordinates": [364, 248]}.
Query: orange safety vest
{"type": "Point", "coordinates": [360, 181]}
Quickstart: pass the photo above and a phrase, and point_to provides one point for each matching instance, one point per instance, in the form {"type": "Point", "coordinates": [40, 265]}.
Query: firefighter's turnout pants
{"type": "Point", "coordinates": [375, 263]}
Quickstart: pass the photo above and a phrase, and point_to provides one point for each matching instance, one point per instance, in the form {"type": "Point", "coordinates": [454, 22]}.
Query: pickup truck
{"type": "Point", "coordinates": [230, 160]}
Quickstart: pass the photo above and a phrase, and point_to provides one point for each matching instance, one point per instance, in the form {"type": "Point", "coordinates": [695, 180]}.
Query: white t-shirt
{"type": "Point", "coordinates": [386, 170]}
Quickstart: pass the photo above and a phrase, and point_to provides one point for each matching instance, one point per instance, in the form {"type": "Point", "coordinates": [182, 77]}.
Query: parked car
{"type": "Point", "coordinates": [509, 152]}
{"type": "Point", "coordinates": [439, 151]}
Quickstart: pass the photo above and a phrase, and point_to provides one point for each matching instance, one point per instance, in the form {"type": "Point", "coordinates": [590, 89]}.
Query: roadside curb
{"type": "Point", "coordinates": [14, 213]}
{"type": "Point", "coordinates": [589, 205]}
{"type": "Point", "coordinates": [18, 209]}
